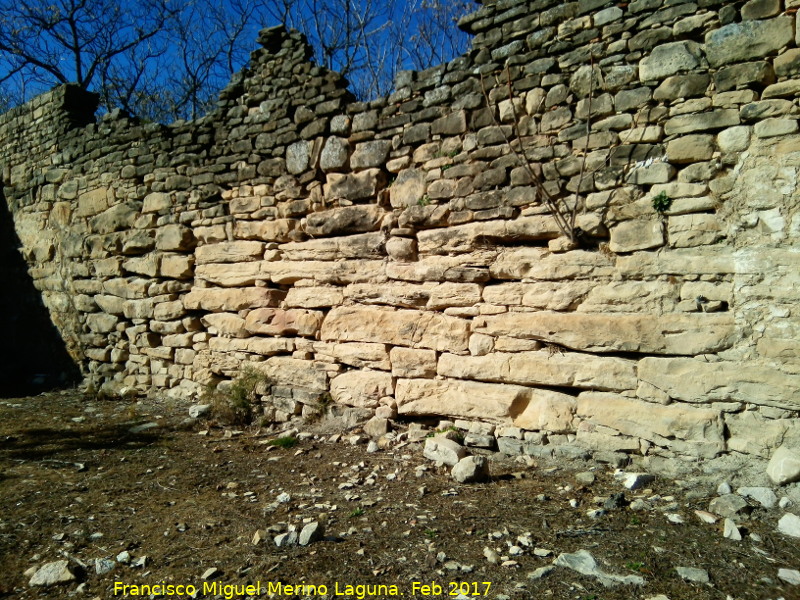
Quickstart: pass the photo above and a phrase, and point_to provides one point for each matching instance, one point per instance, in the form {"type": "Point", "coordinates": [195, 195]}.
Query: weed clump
{"type": "Point", "coordinates": [286, 442]}
{"type": "Point", "coordinates": [236, 404]}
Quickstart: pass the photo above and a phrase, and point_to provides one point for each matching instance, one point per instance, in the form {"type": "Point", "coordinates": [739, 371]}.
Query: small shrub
{"type": "Point", "coordinates": [287, 442]}
{"type": "Point", "coordinates": [356, 513]}
{"type": "Point", "coordinates": [662, 202]}
{"type": "Point", "coordinates": [424, 201]}
{"type": "Point", "coordinates": [235, 406]}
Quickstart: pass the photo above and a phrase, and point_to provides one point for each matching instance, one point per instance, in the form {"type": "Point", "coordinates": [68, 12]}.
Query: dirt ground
{"type": "Point", "coordinates": [83, 479]}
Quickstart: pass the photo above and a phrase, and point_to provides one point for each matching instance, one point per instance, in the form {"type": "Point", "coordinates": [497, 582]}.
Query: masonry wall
{"type": "Point", "coordinates": [399, 256]}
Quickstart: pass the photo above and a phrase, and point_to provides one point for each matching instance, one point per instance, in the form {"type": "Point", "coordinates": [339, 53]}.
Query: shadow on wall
{"type": "Point", "coordinates": [33, 357]}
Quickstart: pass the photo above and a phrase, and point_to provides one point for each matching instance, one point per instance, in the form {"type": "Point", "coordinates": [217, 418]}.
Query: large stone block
{"type": "Point", "coordinates": [216, 299]}
{"type": "Point", "coordinates": [229, 252]}
{"type": "Point", "coordinates": [681, 334]}
{"type": "Point", "coordinates": [345, 219]}
{"type": "Point", "coordinates": [465, 238]}
{"type": "Point", "coordinates": [548, 295]}
{"type": "Point", "coordinates": [739, 42]}
{"type": "Point", "coordinates": [314, 297]}
{"type": "Point", "coordinates": [669, 59]}
{"type": "Point", "coordinates": [408, 189]}
{"type": "Point", "coordinates": [362, 245]}
{"type": "Point", "coordinates": [357, 354]}
{"type": "Point", "coordinates": [548, 411]}
{"type": "Point", "coordinates": [356, 186]}
{"type": "Point", "coordinates": [226, 324]}
{"type": "Point", "coordinates": [685, 429]}
{"type": "Point", "coordinates": [175, 237]}
{"type": "Point", "coordinates": [229, 275]}
{"type": "Point", "coordinates": [566, 369]}
{"type": "Point", "coordinates": [118, 217]}
{"type": "Point", "coordinates": [416, 329]}
{"type": "Point", "coordinates": [340, 272]}
{"type": "Point", "coordinates": [413, 363]}
{"type": "Point", "coordinates": [370, 154]}
{"type": "Point", "coordinates": [460, 399]}
{"type": "Point", "coordinates": [686, 231]}
{"type": "Point", "coordinates": [276, 321]}
{"type": "Point", "coordinates": [538, 263]}
{"type": "Point", "coordinates": [639, 234]}
{"type": "Point", "coordinates": [252, 345]}
{"type": "Point", "coordinates": [294, 373]}
{"type": "Point", "coordinates": [693, 380]}
{"type": "Point", "coordinates": [362, 389]}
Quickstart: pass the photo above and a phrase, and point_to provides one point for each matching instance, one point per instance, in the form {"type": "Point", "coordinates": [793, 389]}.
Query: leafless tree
{"type": "Point", "coordinates": [166, 59]}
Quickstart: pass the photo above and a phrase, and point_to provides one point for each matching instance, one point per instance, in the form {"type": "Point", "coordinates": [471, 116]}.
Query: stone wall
{"type": "Point", "coordinates": [398, 254]}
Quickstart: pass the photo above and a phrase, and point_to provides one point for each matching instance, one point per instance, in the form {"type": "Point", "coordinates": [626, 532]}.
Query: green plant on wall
{"type": "Point", "coordinates": [662, 202]}
{"type": "Point", "coordinates": [236, 405]}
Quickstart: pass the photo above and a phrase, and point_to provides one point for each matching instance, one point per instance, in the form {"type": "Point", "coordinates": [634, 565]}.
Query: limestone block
{"type": "Point", "coordinates": [640, 234]}
{"type": "Point", "coordinates": [298, 157]}
{"type": "Point", "coordinates": [629, 296]}
{"type": "Point", "coordinates": [169, 311]}
{"type": "Point", "coordinates": [686, 429]}
{"type": "Point", "coordinates": [253, 345]}
{"type": "Point", "coordinates": [760, 9]}
{"type": "Point", "coordinates": [341, 272]}
{"type": "Point", "coordinates": [656, 172]}
{"type": "Point", "coordinates": [685, 231]}
{"type": "Point", "coordinates": [445, 295]}
{"type": "Point", "coordinates": [92, 202]}
{"type": "Point", "coordinates": [787, 64]}
{"type": "Point", "coordinates": [459, 399]}
{"type": "Point", "coordinates": [229, 275]}
{"type": "Point", "coordinates": [715, 119]}
{"type": "Point", "coordinates": [764, 109]}
{"type": "Point", "coordinates": [416, 329]}
{"type": "Point", "coordinates": [669, 59]}
{"type": "Point", "coordinates": [567, 369]}
{"type": "Point", "coordinates": [229, 252]}
{"type": "Point", "coordinates": [216, 299]}
{"type": "Point", "coordinates": [143, 265]}
{"type": "Point", "coordinates": [177, 266]}
{"type": "Point", "coordinates": [734, 139]}
{"type": "Point", "coordinates": [357, 354]}
{"type": "Point", "coordinates": [355, 186]}
{"type": "Point", "coordinates": [464, 238]}
{"type": "Point", "coordinates": [112, 305]}
{"type": "Point", "coordinates": [401, 249]}
{"type": "Point", "coordinates": [156, 201]}
{"type": "Point", "coordinates": [408, 188]}
{"type": "Point", "coordinates": [783, 89]}
{"type": "Point", "coordinates": [538, 263]}
{"type": "Point", "coordinates": [549, 411]}
{"type": "Point", "coordinates": [775, 127]}
{"type": "Point", "coordinates": [139, 309]}
{"type": "Point", "coordinates": [398, 294]}
{"type": "Point", "coordinates": [362, 389]}
{"type": "Point", "coordinates": [101, 322]}
{"type": "Point", "coordinates": [710, 261]}
{"type": "Point", "coordinates": [294, 373]}
{"type": "Point", "coordinates": [226, 324]}
{"type": "Point", "coordinates": [692, 380]}
{"type": "Point", "coordinates": [690, 148]}
{"type": "Point", "coordinates": [681, 334]}
{"type": "Point", "coordinates": [334, 155]}
{"type": "Point", "coordinates": [276, 321]}
{"type": "Point", "coordinates": [129, 288]}
{"type": "Point", "coordinates": [412, 363]}
{"type": "Point", "coordinates": [546, 295]}
{"type": "Point", "coordinates": [314, 297]}
{"type": "Point", "coordinates": [370, 154]}
{"type": "Point", "coordinates": [739, 42]}
{"type": "Point", "coordinates": [118, 217]}
{"type": "Point", "coordinates": [784, 466]}
{"type": "Point", "coordinates": [682, 86]}
{"type": "Point", "coordinates": [345, 219]}
{"type": "Point", "coordinates": [442, 449]}
{"type": "Point", "coordinates": [278, 230]}
{"type": "Point", "coordinates": [175, 237]}
{"type": "Point", "coordinates": [362, 245]}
